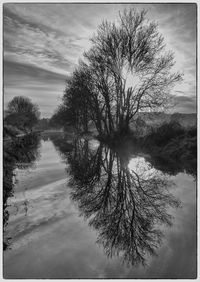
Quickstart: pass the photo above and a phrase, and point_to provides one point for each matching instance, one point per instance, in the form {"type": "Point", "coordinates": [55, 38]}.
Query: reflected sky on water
{"type": "Point", "coordinates": [84, 211]}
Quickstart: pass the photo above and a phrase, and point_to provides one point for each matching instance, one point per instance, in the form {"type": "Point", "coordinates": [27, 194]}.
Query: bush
{"type": "Point", "coordinates": [165, 133]}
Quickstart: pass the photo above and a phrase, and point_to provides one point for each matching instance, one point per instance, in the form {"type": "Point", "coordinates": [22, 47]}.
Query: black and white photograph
{"type": "Point", "coordinates": [99, 151]}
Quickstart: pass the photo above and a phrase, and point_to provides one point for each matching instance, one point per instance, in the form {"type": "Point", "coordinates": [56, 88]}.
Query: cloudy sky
{"type": "Point", "coordinates": [44, 42]}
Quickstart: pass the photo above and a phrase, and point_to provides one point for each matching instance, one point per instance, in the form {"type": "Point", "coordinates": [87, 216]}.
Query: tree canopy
{"type": "Point", "coordinates": [126, 70]}
{"type": "Point", "coordinates": [22, 113]}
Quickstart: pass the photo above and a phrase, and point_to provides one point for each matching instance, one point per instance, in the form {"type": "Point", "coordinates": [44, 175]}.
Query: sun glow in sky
{"type": "Point", "coordinates": [44, 42]}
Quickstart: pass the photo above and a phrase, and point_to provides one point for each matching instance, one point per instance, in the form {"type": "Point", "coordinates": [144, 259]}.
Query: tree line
{"type": "Point", "coordinates": [126, 70]}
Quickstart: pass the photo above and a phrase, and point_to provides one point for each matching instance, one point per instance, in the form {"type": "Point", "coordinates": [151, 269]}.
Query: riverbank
{"type": "Point", "coordinates": [171, 147]}
{"type": "Point", "coordinates": [15, 133]}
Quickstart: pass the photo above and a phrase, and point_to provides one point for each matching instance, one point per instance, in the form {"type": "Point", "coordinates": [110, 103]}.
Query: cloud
{"type": "Point", "coordinates": [43, 87]}
{"type": "Point", "coordinates": [185, 104]}
{"type": "Point", "coordinates": [23, 43]}
{"type": "Point", "coordinates": [178, 23]}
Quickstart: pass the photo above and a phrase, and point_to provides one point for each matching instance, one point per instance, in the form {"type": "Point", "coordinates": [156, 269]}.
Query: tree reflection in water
{"type": "Point", "coordinates": [18, 153]}
{"type": "Point", "coordinates": [125, 200]}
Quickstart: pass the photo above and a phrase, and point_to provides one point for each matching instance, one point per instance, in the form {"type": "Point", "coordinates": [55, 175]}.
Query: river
{"type": "Point", "coordinates": [76, 209]}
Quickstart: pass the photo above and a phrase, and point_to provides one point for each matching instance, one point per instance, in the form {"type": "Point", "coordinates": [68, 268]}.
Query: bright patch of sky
{"type": "Point", "coordinates": [44, 42]}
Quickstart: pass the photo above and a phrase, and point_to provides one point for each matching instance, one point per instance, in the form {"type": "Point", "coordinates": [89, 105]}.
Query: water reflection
{"type": "Point", "coordinates": [125, 200]}
{"type": "Point", "coordinates": [19, 153]}
{"type": "Point", "coordinates": [173, 166]}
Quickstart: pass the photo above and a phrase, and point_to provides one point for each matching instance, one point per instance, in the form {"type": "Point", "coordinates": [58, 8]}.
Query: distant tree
{"type": "Point", "coordinates": [61, 117]}
{"type": "Point", "coordinates": [22, 113]}
{"type": "Point", "coordinates": [42, 124]}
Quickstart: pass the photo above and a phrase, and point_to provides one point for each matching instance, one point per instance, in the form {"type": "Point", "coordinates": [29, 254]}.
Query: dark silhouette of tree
{"type": "Point", "coordinates": [43, 124]}
{"type": "Point", "coordinates": [61, 117]}
{"type": "Point", "coordinates": [74, 109]}
{"type": "Point", "coordinates": [125, 71]}
{"type": "Point", "coordinates": [18, 153]}
{"type": "Point", "coordinates": [75, 96]}
{"type": "Point", "coordinates": [22, 113]}
{"type": "Point", "coordinates": [126, 205]}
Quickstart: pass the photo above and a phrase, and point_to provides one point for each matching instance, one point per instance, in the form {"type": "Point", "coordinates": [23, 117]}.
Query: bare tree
{"type": "Point", "coordinates": [130, 70]}
{"type": "Point", "coordinates": [127, 70]}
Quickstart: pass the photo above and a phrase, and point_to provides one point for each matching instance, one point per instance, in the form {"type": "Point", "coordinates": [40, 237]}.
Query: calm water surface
{"type": "Point", "coordinates": [79, 210]}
